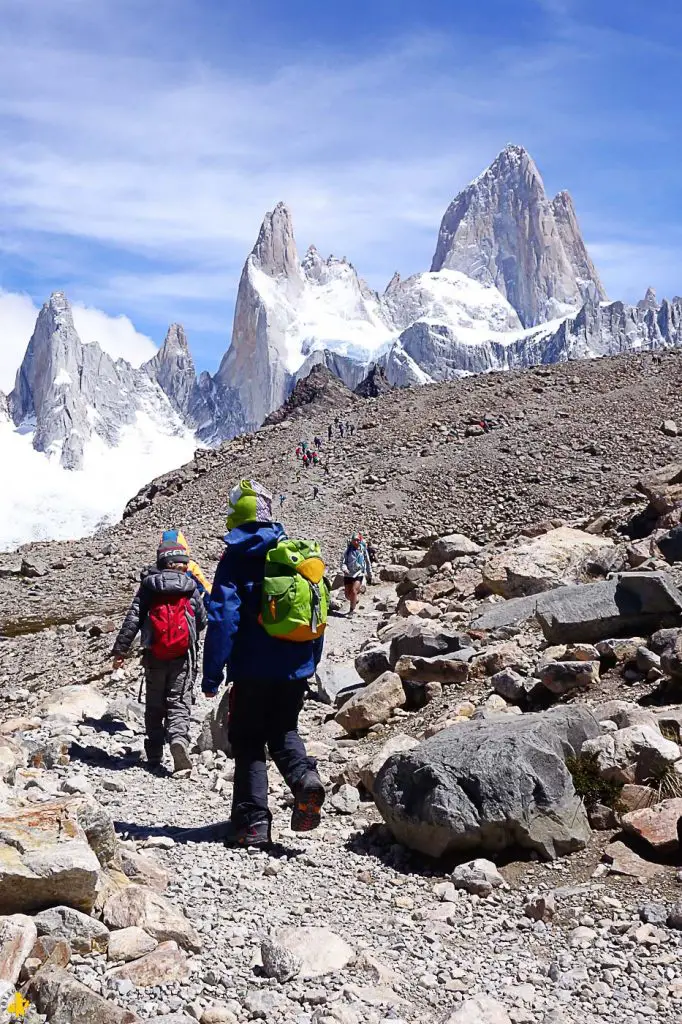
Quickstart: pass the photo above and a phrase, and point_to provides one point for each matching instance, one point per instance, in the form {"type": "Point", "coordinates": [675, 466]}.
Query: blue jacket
{"type": "Point", "coordinates": [235, 639]}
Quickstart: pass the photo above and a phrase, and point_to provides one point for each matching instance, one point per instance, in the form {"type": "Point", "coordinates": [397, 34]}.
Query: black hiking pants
{"type": "Point", "coordinates": [264, 713]}
{"type": "Point", "coordinates": [168, 701]}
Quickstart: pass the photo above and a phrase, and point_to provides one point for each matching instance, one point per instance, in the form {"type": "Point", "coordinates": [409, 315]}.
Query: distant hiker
{"type": "Point", "coordinates": [351, 428]}
{"type": "Point", "coordinates": [316, 491]}
{"type": "Point", "coordinates": [329, 431]}
{"type": "Point", "coordinates": [306, 461]}
{"type": "Point", "coordinates": [326, 468]}
{"type": "Point", "coordinates": [317, 441]}
{"type": "Point", "coordinates": [304, 446]}
{"type": "Point", "coordinates": [193, 568]}
{"type": "Point", "coordinates": [341, 429]}
{"type": "Point", "coordinates": [282, 499]}
{"type": "Point", "coordinates": [354, 566]}
{"type": "Point", "coordinates": [299, 452]}
{"type": "Point", "coordinates": [315, 457]}
{"type": "Point", "coordinates": [271, 647]}
{"type": "Point", "coordinates": [169, 614]}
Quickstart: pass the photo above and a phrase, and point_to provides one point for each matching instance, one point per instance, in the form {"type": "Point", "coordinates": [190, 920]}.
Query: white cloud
{"type": "Point", "coordinates": [115, 334]}
{"type": "Point", "coordinates": [17, 317]}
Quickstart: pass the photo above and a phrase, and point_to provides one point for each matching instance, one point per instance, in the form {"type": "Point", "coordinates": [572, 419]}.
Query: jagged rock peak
{"type": "Point", "coordinates": [376, 383]}
{"type": "Point", "coordinates": [503, 230]}
{"type": "Point", "coordinates": [394, 283]}
{"type": "Point", "coordinates": [649, 301]}
{"type": "Point", "coordinates": [176, 342]}
{"type": "Point", "coordinates": [275, 249]}
{"type": "Point", "coordinates": [321, 387]}
{"type": "Point", "coordinates": [4, 407]}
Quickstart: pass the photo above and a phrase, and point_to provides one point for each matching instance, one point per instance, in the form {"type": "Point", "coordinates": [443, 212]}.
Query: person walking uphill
{"type": "Point", "coordinates": [251, 632]}
{"type": "Point", "coordinates": [169, 612]}
{"type": "Point", "coordinates": [355, 566]}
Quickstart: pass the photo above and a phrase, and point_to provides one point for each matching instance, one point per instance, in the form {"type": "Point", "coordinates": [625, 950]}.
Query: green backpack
{"type": "Point", "coordinates": [295, 601]}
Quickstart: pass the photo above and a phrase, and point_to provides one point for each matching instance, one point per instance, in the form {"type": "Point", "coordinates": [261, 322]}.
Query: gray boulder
{"type": "Point", "coordinates": [446, 549]}
{"type": "Point", "coordinates": [631, 604]}
{"type": "Point", "coordinates": [337, 682]}
{"type": "Point", "coordinates": [424, 639]}
{"type": "Point", "coordinates": [213, 734]}
{"type": "Point", "coordinates": [483, 786]}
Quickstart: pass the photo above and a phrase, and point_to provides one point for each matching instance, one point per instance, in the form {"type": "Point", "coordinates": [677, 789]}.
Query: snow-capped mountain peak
{"type": "Point", "coordinates": [503, 230]}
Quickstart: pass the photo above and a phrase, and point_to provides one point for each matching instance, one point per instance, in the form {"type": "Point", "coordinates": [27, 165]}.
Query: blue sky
{"type": "Point", "coordinates": [141, 144]}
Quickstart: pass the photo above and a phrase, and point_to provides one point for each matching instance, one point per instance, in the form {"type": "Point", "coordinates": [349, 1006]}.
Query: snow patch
{"type": "Point", "coordinates": [47, 502]}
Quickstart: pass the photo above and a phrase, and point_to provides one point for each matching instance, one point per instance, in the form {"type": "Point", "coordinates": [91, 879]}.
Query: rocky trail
{"type": "Point", "coordinates": [500, 738]}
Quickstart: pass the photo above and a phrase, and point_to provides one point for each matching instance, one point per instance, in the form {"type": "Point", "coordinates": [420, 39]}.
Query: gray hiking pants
{"type": "Point", "coordinates": [168, 701]}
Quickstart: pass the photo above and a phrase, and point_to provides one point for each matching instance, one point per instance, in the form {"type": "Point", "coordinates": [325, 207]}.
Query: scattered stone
{"type": "Point", "coordinates": [480, 1010]}
{"type": "Point", "coordinates": [635, 755]}
{"type": "Point", "coordinates": [346, 800]}
{"type": "Point", "coordinates": [669, 428]}
{"type": "Point", "coordinates": [373, 704]}
{"type": "Point", "coordinates": [657, 826]}
{"type": "Point", "coordinates": [278, 961]}
{"type": "Point", "coordinates": [136, 906]}
{"type": "Point", "coordinates": [162, 965]}
{"type": "Point", "coordinates": [542, 908]}
{"type": "Point", "coordinates": [478, 877]}
{"type": "Point", "coordinates": [319, 950]}
{"type": "Point", "coordinates": [130, 944]}
{"type": "Point", "coordinates": [624, 861]}
{"type": "Point", "coordinates": [448, 669]}
{"type": "Point", "coordinates": [32, 567]}
{"type": "Point", "coordinates": [563, 677]}
{"type": "Point", "coordinates": [510, 685]}
{"type": "Point", "coordinates": [17, 937]}
{"type": "Point", "coordinates": [447, 549]}
{"type": "Point", "coordinates": [144, 870]}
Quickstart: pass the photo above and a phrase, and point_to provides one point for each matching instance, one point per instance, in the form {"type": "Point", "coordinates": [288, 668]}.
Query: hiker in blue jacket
{"type": "Point", "coordinates": [269, 676]}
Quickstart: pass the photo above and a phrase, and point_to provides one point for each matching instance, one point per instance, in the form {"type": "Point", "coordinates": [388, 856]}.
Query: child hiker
{"type": "Point", "coordinates": [169, 613]}
{"type": "Point", "coordinates": [268, 660]}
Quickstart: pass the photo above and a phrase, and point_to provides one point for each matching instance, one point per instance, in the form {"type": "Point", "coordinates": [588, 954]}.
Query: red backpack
{"type": "Point", "coordinates": [170, 618]}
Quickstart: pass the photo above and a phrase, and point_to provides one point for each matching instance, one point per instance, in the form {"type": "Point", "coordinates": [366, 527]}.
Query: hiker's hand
{"type": "Point", "coordinates": [119, 661]}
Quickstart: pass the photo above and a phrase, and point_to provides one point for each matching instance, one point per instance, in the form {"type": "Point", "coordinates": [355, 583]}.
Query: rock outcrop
{"type": "Point", "coordinates": [503, 230]}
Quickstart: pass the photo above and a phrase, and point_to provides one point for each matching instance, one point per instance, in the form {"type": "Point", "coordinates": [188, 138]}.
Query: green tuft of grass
{"type": "Point", "coordinates": [589, 783]}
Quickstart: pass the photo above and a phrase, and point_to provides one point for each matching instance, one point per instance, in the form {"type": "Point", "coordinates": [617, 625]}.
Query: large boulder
{"type": "Point", "coordinates": [372, 662]}
{"type": "Point", "coordinates": [447, 549]}
{"type": "Point", "coordinates": [483, 786]}
{"type": "Point", "coordinates": [424, 639]}
{"type": "Point", "coordinates": [45, 859]}
{"type": "Point", "coordinates": [372, 705]}
{"type": "Point", "coordinates": [544, 563]}
{"type": "Point", "coordinates": [630, 604]}
{"type": "Point", "coordinates": [370, 768]}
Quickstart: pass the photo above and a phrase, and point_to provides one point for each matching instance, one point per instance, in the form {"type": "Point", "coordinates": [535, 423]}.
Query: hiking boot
{"type": "Point", "coordinates": [256, 836]}
{"type": "Point", "coordinates": [308, 799]}
{"type": "Point", "coordinates": [182, 762]}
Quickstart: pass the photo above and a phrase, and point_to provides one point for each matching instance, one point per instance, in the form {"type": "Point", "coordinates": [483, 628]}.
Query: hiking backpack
{"type": "Point", "coordinates": [295, 600]}
{"type": "Point", "coordinates": [171, 619]}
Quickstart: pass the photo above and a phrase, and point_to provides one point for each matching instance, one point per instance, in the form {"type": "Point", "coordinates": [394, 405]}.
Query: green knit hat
{"type": "Point", "coordinates": [249, 503]}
